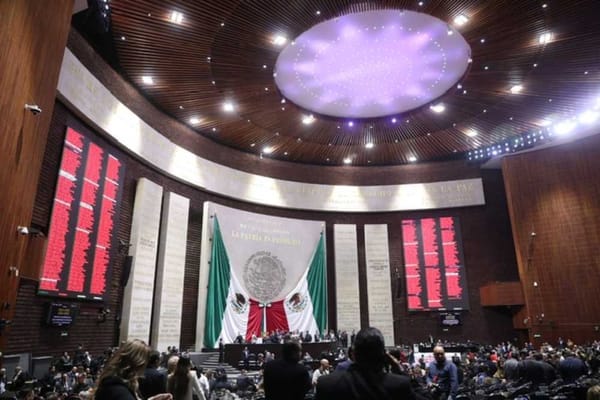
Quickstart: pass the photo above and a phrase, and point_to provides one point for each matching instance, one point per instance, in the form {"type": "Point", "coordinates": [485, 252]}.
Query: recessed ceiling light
{"type": "Point", "coordinates": [465, 91]}
{"type": "Point", "coordinates": [516, 89]}
{"type": "Point", "coordinates": [282, 101]}
{"type": "Point", "coordinates": [394, 120]}
{"type": "Point", "coordinates": [486, 67]}
{"type": "Point", "coordinates": [264, 66]}
{"type": "Point", "coordinates": [438, 108]}
{"type": "Point", "coordinates": [412, 158]}
{"type": "Point", "coordinates": [122, 37]}
{"type": "Point", "coordinates": [318, 12]}
{"type": "Point", "coordinates": [214, 129]}
{"type": "Point", "coordinates": [279, 40]}
{"type": "Point", "coordinates": [471, 133]}
{"type": "Point", "coordinates": [252, 144]}
{"type": "Point", "coordinates": [147, 80]}
{"type": "Point", "coordinates": [369, 145]}
{"type": "Point", "coordinates": [460, 20]}
{"type": "Point", "coordinates": [545, 37]}
{"type": "Point", "coordinates": [222, 23]}
{"type": "Point", "coordinates": [347, 160]}
{"type": "Point", "coordinates": [535, 65]}
{"type": "Point", "coordinates": [285, 153]}
{"type": "Point", "coordinates": [266, 89]}
{"type": "Point", "coordinates": [268, 149]}
{"type": "Point", "coordinates": [176, 17]}
{"type": "Point", "coordinates": [228, 106]}
{"type": "Point", "coordinates": [482, 40]}
{"type": "Point", "coordinates": [544, 5]}
{"type": "Point", "coordinates": [181, 107]}
{"type": "Point", "coordinates": [308, 119]}
{"type": "Point", "coordinates": [350, 123]}
{"type": "Point", "coordinates": [194, 120]}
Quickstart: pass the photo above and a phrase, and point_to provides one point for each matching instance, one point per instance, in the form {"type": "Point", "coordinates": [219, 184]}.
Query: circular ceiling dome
{"type": "Point", "coordinates": [372, 64]}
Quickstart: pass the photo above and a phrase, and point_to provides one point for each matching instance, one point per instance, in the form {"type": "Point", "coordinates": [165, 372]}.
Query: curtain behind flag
{"type": "Point", "coordinates": [261, 262]}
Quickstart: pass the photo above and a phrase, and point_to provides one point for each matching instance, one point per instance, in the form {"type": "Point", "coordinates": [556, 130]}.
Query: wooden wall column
{"type": "Point", "coordinates": [34, 35]}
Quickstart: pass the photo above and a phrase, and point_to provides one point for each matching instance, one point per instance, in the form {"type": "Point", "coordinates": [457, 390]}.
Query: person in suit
{"type": "Point", "coordinates": [366, 379]}
{"type": "Point", "coordinates": [286, 378]}
{"type": "Point", "coordinates": [246, 358]}
{"type": "Point", "coordinates": [153, 382]}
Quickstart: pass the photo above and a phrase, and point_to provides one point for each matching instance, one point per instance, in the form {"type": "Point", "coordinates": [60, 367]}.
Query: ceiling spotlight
{"type": "Point", "coordinates": [252, 144]}
{"type": "Point", "coordinates": [122, 37]}
{"type": "Point", "coordinates": [347, 160]}
{"type": "Point", "coordinates": [438, 108]}
{"type": "Point", "coordinates": [279, 40]}
{"type": "Point", "coordinates": [147, 80]}
{"type": "Point", "coordinates": [214, 129]}
{"type": "Point", "coordinates": [176, 17]}
{"type": "Point", "coordinates": [460, 20]}
{"type": "Point", "coordinates": [412, 158]}
{"type": "Point", "coordinates": [369, 145]}
{"type": "Point", "coordinates": [516, 89]}
{"type": "Point", "coordinates": [471, 133]}
{"type": "Point", "coordinates": [545, 37]}
{"type": "Point", "coordinates": [194, 120]}
{"type": "Point", "coordinates": [308, 119]}
{"type": "Point", "coordinates": [394, 120]}
{"type": "Point", "coordinates": [267, 150]}
{"type": "Point", "coordinates": [227, 106]}
{"type": "Point", "coordinates": [482, 40]}
{"type": "Point", "coordinates": [350, 123]}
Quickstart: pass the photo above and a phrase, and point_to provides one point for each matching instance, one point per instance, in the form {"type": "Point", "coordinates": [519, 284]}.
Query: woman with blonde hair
{"type": "Point", "coordinates": [119, 379]}
{"type": "Point", "coordinates": [182, 384]}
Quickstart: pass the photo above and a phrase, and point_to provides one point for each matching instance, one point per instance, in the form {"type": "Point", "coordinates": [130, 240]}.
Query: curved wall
{"type": "Point", "coordinates": [487, 241]}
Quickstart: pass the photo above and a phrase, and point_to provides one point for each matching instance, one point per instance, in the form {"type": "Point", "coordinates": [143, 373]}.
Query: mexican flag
{"type": "Point", "coordinates": [231, 311]}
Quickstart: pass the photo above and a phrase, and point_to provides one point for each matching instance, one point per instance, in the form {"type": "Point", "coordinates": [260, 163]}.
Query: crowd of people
{"type": "Point", "coordinates": [366, 370]}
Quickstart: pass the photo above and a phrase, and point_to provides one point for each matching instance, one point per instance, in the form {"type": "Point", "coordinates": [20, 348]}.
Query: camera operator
{"type": "Point", "coordinates": [442, 376]}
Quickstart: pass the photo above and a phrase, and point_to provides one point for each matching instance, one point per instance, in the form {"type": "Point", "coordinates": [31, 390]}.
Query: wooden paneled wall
{"type": "Point", "coordinates": [34, 35]}
{"type": "Point", "coordinates": [487, 239]}
{"type": "Point", "coordinates": [487, 244]}
{"type": "Point", "coordinates": [554, 202]}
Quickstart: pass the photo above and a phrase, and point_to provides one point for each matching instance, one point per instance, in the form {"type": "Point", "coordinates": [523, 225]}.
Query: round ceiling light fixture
{"type": "Point", "coordinates": [372, 64]}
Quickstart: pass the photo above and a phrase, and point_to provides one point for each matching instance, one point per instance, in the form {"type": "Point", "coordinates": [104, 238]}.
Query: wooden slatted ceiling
{"type": "Point", "coordinates": [219, 50]}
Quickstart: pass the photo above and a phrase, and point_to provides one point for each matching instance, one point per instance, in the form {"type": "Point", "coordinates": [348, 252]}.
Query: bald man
{"type": "Point", "coordinates": [442, 376]}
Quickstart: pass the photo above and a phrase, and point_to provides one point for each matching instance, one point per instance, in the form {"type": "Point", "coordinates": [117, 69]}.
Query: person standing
{"type": "Point", "coordinates": [286, 378]}
{"type": "Point", "coordinates": [119, 379]}
{"type": "Point", "coordinates": [366, 379]}
{"type": "Point", "coordinates": [221, 351]}
{"type": "Point", "coordinates": [153, 382]}
{"type": "Point", "coordinates": [182, 384]}
{"type": "Point", "coordinates": [442, 376]}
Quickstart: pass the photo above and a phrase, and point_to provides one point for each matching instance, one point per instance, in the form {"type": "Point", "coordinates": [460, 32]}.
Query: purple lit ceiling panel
{"type": "Point", "coordinates": [372, 64]}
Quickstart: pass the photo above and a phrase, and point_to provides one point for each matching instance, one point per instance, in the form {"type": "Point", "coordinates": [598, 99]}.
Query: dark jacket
{"type": "Point", "coordinates": [152, 383]}
{"type": "Point", "coordinates": [285, 380]}
{"type": "Point", "coordinates": [114, 388]}
{"type": "Point", "coordinates": [357, 384]}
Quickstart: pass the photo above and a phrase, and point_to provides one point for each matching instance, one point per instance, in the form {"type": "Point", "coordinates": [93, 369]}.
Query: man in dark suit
{"type": "Point", "coordinates": [366, 379]}
{"type": "Point", "coordinates": [285, 378]}
{"type": "Point", "coordinates": [153, 382]}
